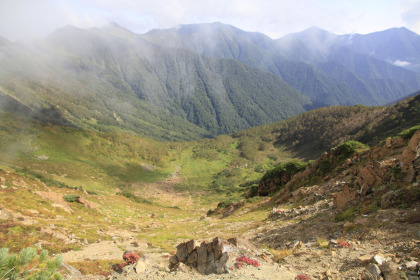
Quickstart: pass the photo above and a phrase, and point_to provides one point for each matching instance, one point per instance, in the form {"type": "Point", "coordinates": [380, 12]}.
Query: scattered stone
{"type": "Point", "coordinates": [377, 259]}
{"type": "Point", "coordinates": [365, 258]}
{"type": "Point", "coordinates": [328, 273]}
{"type": "Point", "coordinates": [74, 273]}
{"type": "Point", "coordinates": [415, 253]}
{"type": "Point", "coordinates": [372, 272]}
{"type": "Point", "coordinates": [140, 267]}
{"type": "Point", "coordinates": [390, 271]}
{"type": "Point", "coordinates": [42, 157]}
{"type": "Point", "coordinates": [334, 241]}
{"type": "Point", "coordinates": [411, 265]}
{"type": "Point", "coordinates": [295, 245]}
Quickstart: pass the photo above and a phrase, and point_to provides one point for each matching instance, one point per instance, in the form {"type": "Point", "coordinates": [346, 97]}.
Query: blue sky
{"type": "Point", "coordinates": [275, 18]}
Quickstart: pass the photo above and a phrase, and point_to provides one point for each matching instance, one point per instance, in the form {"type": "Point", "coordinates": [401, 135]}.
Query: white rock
{"type": "Point", "coordinates": [378, 259]}
{"type": "Point", "coordinates": [140, 267]}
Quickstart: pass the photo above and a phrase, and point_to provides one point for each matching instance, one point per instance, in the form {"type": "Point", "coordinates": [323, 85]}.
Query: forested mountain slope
{"type": "Point", "coordinates": [307, 60]}
{"type": "Point", "coordinates": [111, 78]}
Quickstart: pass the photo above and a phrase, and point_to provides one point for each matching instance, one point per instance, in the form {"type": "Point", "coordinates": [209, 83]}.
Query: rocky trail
{"type": "Point", "coordinates": [305, 237]}
{"type": "Point", "coordinates": [344, 251]}
{"type": "Point", "coordinates": [355, 223]}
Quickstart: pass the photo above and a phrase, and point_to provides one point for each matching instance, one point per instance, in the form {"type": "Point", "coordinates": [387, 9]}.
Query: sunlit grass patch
{"type": "Point", "coordinates": [95, 267]}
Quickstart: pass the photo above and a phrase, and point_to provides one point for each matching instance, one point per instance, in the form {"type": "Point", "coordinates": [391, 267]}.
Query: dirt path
{"type": "Point", "coordinates": [104, 250]}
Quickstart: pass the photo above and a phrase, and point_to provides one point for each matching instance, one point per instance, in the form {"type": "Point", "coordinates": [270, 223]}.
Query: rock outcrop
{"type": "Point", "coordinates": [371, 176]}
{"type": "Point", "coordinates": [210, 257]}
{"type": "Point", "coordinates": [207, 258]}
{"type": "Point", "coordinates": [410, 159]}
{"type": "Point", "coordinates": [344, 198]}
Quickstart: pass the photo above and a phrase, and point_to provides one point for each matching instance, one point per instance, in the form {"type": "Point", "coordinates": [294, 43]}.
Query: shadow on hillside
{"type": "Point", "coordinates": [48, 114]}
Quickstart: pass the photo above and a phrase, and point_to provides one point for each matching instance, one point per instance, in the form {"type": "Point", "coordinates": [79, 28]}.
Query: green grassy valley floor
{"type": "Point", "coordinates": [92, 195]}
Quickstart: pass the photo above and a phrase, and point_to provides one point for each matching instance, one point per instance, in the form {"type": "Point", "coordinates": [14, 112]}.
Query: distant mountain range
{"type": "Point", "coordinates": [321, 65]}
{"type": "Point", "coordinates": [202, 80]}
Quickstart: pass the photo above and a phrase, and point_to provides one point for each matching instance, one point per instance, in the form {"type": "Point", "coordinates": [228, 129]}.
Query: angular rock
{"type": "Point", "coordinates": [411, 265]}
{"type": "Point", "coordinates": [365, 258]}
{"type": "Point", "coordinates": [344, 198]}
{"type": "Point", "coordinates": [377, 259]}
{"type": "Point", "coordinates": [140, 267]}
{"type": "Point", "coordinates": [208, 257]}
{"type": "Point", "coordinates": [74, 273]}
{"type": "Point", "coordinates": [183, 250]}
{"type": "Point", "coordinates": [192, 258]}
{"type": "Point", "coordinates": [391, 198]}
{"type": "Point", "coordinates": [173, 261]}
{"type": "Point", "coordinates": [370, 176]}
{"type": "Point", "coordinates": [372, 272]}
{"type": "Point", "coordinates": [390, 271]}
{"type": "Point", "coordinates": [409, 154]}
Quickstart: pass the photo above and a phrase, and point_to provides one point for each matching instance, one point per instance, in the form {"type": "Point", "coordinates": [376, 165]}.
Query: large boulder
{"type": "Point", "coordinates": [371, 176]}
{"type": "Point", "coordinates": [344, 198]}
{"type": "Point", "coordinates": [409, 158]}
{"type": "Point", "coordinates": [211, 256]}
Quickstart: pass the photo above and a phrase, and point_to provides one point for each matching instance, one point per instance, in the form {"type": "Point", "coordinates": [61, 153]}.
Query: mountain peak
{"type": "Point", "coordinates": [315, 31]}
{"type": "Point", "coordinates": [115, 29]}
{"type": "Point", "coordinates": [68, 29]}
{"type": "Point", "coordinates": [115, 26]}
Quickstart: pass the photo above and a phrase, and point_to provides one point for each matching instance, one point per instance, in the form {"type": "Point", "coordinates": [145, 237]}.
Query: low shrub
{"type": "Point", "coordinates": [27, 264]}
{"type": "Point", "coordinates": [129, 258]}
{"type": "Point", "coordinates": [135, 198]}
{"type": "Point", "coordinates": [350, 147]}
{"type": "Point", "coordinates": [345, 215]}
{"type": "Point", "coordinates": [280, 254]}
{"type": "Point", "coordinates": [71, 198]}
{"type": "Point", "coordinates": [289, 168]}
{"type": "Point", "coordinates": [409, 132]}
{"type": "Point", "coordinates": [322, 242]}
{"type": "Point", "coordinates": [240, 261]}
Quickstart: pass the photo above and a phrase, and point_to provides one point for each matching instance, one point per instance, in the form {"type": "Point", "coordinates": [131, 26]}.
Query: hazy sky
{"type": "Point", "coordinates": [275, 18]}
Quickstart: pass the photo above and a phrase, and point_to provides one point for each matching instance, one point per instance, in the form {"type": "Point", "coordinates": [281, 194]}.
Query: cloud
{"type": "Point", "coordinates": [21, 18]}
{"type": "Point", "coordinates": [411, 14]}
{"type": "Point", "coordinates": [401, 63]}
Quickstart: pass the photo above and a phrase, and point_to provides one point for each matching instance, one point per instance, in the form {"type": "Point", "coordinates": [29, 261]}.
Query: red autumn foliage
{"type": "Point", "coordinates": [130, 258]}
{"type": "Point", "coordinates": [303, 277]}
{"type": "Point", "coordinates": [344, 244]}
{"type": "Point", "coordinates": [248, 261]}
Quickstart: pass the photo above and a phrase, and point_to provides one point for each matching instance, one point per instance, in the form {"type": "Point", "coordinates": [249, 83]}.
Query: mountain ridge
{"type": "Point", "coordinates": [135, 85]}
{"type": "Point", "coordinates": [191, 82]}
{"type": "Point", "coordinates": [223, 41]}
